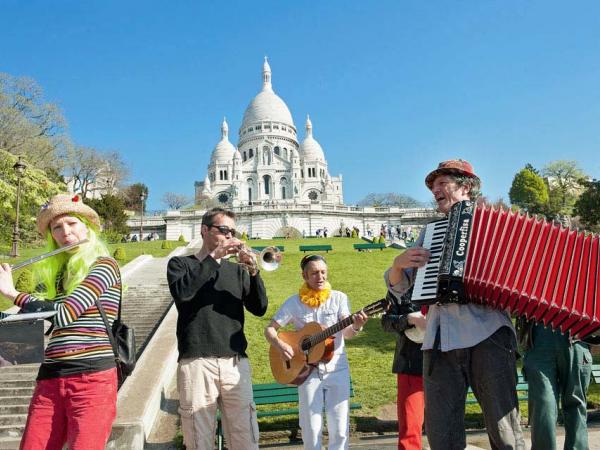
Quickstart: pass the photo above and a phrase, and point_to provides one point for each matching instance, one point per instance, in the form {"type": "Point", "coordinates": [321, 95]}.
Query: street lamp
{"type": "Point", "coordinates": [142, 198]}
{"type": "Point", "coordinates": [19, 167]}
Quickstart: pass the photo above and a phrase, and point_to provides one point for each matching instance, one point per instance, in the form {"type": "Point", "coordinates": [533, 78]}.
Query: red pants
{"type": "Point", "coordinates": [411, 407]}
{"type": "Point", "coordinates": [75, 409]}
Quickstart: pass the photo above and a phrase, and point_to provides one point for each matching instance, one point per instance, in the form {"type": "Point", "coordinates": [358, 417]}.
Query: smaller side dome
{"type": "Point", "coordinates": [224, 150]}
{"type": "Point", "coordinates": [310, 149]}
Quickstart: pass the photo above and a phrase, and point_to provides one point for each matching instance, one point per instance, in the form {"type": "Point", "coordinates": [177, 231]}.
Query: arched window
{"type": "Point", "coordinates": [250, 183]}
{"type": "Point", "coordinates": [283, 183]}
{"type": "Point", "coordinates": [277, 151]}
{"type": "Point", "coordinates": [250, 153]}
{"type": "Point", "coordinates": [267, 183]}
{"type": "Point", "coordinates": [244, 156]}
{"type": "Point", "coordinates": [266, 156]}
{"type": "Point", "coordinates": [285, 153]}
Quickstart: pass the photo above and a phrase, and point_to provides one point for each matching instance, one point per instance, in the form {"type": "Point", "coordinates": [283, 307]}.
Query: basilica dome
{"type": "Point", "coordinates": [267, 106]}
{"type": "Point", "coordinates": [310, 149]}
{"type": "Point", "coordinates": [224, 149]}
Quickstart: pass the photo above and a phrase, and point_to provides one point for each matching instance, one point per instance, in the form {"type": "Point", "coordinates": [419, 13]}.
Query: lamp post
{"type": "Point", "coordinates": [142, 198]}
{"type": "Point", "coordinates": [19, 167]}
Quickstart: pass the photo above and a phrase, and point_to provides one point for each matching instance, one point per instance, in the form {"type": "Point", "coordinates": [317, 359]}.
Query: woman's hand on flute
{"type": "Point", "coordinates": [7, 287]}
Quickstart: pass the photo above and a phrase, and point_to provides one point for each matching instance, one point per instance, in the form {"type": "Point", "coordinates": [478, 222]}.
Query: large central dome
{"type": "Point", "coordinates": [267, 106]}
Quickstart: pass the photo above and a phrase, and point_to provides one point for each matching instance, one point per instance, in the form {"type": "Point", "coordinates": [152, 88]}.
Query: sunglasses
{"type": "Point", "coordinates": [225, 230]}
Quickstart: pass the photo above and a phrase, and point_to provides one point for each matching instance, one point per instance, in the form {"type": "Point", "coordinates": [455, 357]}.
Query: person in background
{"type": "Point", "coordinates": [74, 400]}
{"type": "Point", "coordinates": [408, 365]}
{"type": "Point", "coordinates": [211, 294]}
{"type": "Point", "coordinates": [557, 368]}
{"type": "Point", "coordinates": [328, 385]}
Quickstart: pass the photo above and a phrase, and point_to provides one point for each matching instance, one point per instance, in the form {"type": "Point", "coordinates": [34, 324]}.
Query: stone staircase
{"type": "Point", "coordinates": [143, 306]}
{"type": "Point", "coordinates": [16, 389]}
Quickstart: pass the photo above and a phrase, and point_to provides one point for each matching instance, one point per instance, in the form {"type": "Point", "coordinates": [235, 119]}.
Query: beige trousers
{"type": "Point", "coordinates": [204, 384]}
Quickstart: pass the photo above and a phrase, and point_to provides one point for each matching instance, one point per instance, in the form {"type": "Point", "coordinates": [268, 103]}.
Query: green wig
{"type": "Point", "coordinates": [71, 267]}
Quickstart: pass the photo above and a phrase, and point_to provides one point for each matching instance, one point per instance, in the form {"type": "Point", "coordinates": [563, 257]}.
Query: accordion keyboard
{"type": "Point", "coordinates": [426, 282]}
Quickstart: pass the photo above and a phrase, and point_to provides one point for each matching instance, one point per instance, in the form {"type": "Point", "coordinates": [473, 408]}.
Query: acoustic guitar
{"type": "Point", "coordinates": [311, 344]}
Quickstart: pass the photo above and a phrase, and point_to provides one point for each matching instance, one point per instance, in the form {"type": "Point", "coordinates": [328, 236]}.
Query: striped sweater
{"type": "Point", "coordinates": [79, 335]}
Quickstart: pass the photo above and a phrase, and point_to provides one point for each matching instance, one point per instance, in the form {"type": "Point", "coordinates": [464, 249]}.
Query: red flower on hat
{"type": "Point", "coordinates": [75, 199]}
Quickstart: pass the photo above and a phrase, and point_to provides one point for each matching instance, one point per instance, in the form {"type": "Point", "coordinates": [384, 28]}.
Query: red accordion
{"type": "Point", "coordinates": [534, 269]}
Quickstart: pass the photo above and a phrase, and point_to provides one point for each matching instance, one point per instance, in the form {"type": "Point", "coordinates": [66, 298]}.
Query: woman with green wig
{"type": "Point", "coordinates": [74, 401]}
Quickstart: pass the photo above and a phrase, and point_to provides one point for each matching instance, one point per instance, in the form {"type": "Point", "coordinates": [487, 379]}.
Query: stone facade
{"type": "Point", "coordinates": [269, 166]}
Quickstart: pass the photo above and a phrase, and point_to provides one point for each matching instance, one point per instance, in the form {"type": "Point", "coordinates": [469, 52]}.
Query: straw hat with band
{"type": "Point", "coordinates": [62, 204]}
{"type": "Point", "coordinates": [451, 167]}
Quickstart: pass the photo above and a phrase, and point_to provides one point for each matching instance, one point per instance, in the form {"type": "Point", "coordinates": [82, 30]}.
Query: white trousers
{"type": "Point", "coordinates": [329, 391]}
{"type": "Point", "coordinates": [204, 383]}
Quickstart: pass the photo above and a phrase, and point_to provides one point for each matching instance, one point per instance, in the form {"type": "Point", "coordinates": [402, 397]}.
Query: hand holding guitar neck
{"type": "Point", "coordinates": [310, 345]}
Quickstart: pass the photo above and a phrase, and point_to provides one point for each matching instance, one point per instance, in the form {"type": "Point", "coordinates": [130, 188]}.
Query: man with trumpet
{"type": "Point", "coordinates": [211, 294]}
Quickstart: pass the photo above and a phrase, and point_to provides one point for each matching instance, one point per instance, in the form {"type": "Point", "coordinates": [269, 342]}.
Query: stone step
{"type": "Point", "coordinates": [22, 383]}
{"type": "Point", "coordinates": [10, 443]}
{"type": "Point", "coordinates": [13, 409]}
{"type": "Point", "coordinates": [12, 431]}
{"type": "Point", "coordinates": [18, 392]}
{"type": "Point", "coordinates": [15, 400]}
{"type": "Point", "coordinates": [20, 368]}
{"type": "Point", "coordinates": [13, 419]}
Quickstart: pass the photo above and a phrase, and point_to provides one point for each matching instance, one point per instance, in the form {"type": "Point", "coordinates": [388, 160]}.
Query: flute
{"type": "Point", "coordinates": [47, 255]}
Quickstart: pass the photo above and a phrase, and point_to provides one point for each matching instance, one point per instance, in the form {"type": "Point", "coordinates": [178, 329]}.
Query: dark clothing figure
{"type": "Point", "coordinates": [408, 365]}
{"type": "Point", "coordinates": [557, 369]}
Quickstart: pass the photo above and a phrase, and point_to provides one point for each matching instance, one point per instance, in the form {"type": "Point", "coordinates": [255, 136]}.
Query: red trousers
{"type": "Point", "coordinates": [411, 407]}
{"type": "Point", "coordinates": [77, 409]}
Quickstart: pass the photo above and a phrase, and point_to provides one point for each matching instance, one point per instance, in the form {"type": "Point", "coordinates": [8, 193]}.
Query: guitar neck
{"type": "Point", "coordinates": [320, 337]}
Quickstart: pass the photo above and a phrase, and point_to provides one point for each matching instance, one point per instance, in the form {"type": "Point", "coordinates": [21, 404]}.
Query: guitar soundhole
{"type": "Point", "coordinates": [305, 344]}
{"type": "Point", "coordinates": [287, 365]}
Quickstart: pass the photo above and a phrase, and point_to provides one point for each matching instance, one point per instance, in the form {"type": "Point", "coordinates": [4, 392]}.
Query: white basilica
{"type": "Point", "coordinates": [269, 165]}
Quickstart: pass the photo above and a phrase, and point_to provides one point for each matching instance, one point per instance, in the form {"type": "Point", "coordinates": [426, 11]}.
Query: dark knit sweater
{"type": "Point", "coordinates": [210, 299]}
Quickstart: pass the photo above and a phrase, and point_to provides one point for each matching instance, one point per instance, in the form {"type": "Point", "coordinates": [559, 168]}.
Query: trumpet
{"type": "Point", "coordinates": [269, 258]}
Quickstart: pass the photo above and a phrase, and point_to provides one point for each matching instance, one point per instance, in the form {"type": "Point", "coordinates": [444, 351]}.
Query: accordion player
{"type": "Point", "coordinates": [535, 269]}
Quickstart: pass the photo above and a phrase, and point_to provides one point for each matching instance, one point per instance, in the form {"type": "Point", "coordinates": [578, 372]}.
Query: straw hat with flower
{"type": "Point", "coordinates": [62, 204]}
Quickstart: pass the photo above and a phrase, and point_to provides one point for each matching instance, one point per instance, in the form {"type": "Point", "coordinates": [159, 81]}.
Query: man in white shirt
{"type": "Point", "coordinates": [328, 385]}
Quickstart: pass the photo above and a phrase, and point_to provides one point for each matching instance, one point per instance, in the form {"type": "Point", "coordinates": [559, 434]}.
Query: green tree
{"type": "Point", "coordinates": [564, 180]}
{"type": "Point", "coordinates": [529, 191]}
{"type": "Point", "coordinates": [587, 206]}
{"type": "Point", "coordinates": [111, 210]}
{"type": "Point", "coordinates": [36, 189]}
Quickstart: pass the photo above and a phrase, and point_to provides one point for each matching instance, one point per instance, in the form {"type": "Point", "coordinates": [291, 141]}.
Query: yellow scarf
{"type": "Point", "coordinates": [313, 298]}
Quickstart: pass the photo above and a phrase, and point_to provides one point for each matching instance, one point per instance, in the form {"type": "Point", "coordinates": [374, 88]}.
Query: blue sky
{"type": "Point", "coordinates": [392, 87]}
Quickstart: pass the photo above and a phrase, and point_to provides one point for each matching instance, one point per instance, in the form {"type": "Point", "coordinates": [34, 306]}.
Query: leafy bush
{"type": "Point", "coordinates": [354, 234]}
{"type": "Point", "coordinates": [181, 238]}
{"type": "Point", "coordinates": [112, 237]}
{"type": "Point", "coordinates": [244, 236]}
{"type": "Point", "coordinates": [25, 282]}
{"type": "Point", "coordinates": [119, 254]}
{"type": "Point", "coordinates": [166, 245]}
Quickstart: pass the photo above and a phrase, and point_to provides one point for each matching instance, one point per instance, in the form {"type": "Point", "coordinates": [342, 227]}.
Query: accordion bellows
{"type": "Point", "coordinates": [535, 269]}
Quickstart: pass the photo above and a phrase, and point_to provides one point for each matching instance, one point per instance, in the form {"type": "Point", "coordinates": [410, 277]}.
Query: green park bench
{"type": "Point", "coordinates": [266, 395]}
{"type": "Point", "coordinates": [368, 246]}
{"type": "Point", "coordinates": [316, 248]}
{"type": "Point", "coordinates": [260, 248]}
{"type": "Point", "coordinates": [523, 387]}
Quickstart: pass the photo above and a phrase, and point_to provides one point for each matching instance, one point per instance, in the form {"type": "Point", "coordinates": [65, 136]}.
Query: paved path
{"type": "Point", "coordinates": [476, 440]}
